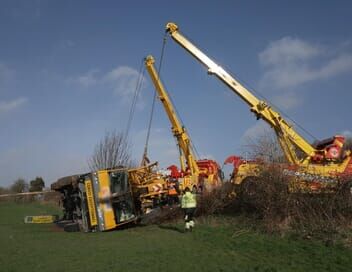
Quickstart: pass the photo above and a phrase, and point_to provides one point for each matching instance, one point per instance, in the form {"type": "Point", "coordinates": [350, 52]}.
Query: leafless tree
{"type": "Point", "coordinates": [263, 146]}
{"type": "Point", "coordinates": [111, 152]}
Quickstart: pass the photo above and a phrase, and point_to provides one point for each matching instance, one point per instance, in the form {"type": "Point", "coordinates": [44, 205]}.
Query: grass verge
{"type": "Point", "coordinates": [217, 244]}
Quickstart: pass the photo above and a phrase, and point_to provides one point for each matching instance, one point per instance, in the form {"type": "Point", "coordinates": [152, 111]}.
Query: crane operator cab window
{"type": "Point", "coordinates": [122, 200]}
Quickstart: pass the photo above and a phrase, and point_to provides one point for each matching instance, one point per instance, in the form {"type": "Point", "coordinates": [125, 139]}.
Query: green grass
{"type": "Point", "coordinates": [212, 247]}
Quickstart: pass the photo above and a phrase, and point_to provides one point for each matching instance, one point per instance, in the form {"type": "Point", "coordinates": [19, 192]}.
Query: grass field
{"type": "Point", "coordinates": [212, 247]}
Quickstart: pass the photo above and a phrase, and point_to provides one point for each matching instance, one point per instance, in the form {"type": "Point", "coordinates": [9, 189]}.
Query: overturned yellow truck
{"type": "Point", "coordinates": [107, 199]}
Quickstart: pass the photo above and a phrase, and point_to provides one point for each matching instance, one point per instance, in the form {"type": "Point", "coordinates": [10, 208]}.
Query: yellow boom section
{"type": "Point", "coordinates": [289, 139]}
{"type": "Point", "coordinates": [178, 130]}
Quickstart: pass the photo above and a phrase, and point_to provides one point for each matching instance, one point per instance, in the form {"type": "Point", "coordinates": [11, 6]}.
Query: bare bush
{"type": "Point", "coordinates": [216, 200]}
{"type": "Point", "coordinates": [323, 215]}
{"type": "Point", "coordinates": [111, 152]}
{"type": "Point", "coordinates": [311, 214]}
{"type": "Point", "coordinates": [267, 204]}
{"type": "Point", "coordinates": [263, 146]}
{"type": "Point", "coordinates": [267, 196]}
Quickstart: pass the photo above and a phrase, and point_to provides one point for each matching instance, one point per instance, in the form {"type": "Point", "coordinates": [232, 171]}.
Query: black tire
{"type": "Point", "coordinates": [248, 192]}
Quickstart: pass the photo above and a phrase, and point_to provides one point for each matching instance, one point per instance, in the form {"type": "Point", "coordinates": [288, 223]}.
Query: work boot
{"type": "Point", "coordinates": [187, 227]}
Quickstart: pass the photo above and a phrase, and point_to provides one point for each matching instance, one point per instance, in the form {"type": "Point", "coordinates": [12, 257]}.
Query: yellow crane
{"type": "Point", "coordinates": [106, 199]}
{"type": "Point", "coordinates": [199, 173]}
{"type": "Point", "coordinates": [316, 166]}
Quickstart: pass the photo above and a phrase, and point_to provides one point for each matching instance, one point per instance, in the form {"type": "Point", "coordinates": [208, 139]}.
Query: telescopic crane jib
{"type": "Point", "coordinates": [199, 173]}
{"type": "Point", "coordinates": [324, 159]}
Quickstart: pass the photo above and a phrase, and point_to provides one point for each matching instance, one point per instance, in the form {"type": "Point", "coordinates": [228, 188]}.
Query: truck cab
{"type": "Point", "coordinates": [97, 201]}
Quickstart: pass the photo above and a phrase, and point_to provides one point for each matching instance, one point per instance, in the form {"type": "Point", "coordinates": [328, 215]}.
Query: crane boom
{"type": "Point", "coordinates": [178, 129]}
{"type": "Point", "coordinates": [288, 138]}
{"type": "Point", "coordinates": [311, 167]}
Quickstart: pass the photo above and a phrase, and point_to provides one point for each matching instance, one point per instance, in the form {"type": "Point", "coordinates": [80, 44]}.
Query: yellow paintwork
{"type": "Point", "coordinates": [91, 205]}
{"type": "Point", "coordinates": [105, 207]}
{"type": "Point", "coordinates": [40, 219]}
{"type": "Point", "coordinates": [178, 130]}
{"type": "Point", "coordinates": [288, 138]}
{"type": "Point", "coordinates": [301, 178]}
{"type": "Point", "coordinates": [284, 131]}
{"type": "Point", "coordinates": [144, 180]}
{"type": "Point", "coordinates": [246, 170]}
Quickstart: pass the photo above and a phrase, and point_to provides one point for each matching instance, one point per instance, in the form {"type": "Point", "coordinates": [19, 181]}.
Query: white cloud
{"type": "Point", "coordinates": [347, 133]}
{"type": "Point", "coordinates": [6, 106]}
{"type": "Point", "coordinates": [255, 131]}
{"type": "Point", "coordinates": [340, 64]}
{"type": "Point", "coordinates": [288, 49]}
{"type": "Point", "coordinates": [286, 101]}
{"type": "Point", "coordinates": [121, 80]}
{"type": "Point", "coordinates": [87, 80]}
{"type": "Point", "coordinates": [162, 146]}
{"type": "Point", "coordinates": [289, 62]}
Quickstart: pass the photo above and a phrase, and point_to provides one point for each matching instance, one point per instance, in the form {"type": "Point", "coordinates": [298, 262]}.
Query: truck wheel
{"type": "Point", "coordinates": [248, 193]}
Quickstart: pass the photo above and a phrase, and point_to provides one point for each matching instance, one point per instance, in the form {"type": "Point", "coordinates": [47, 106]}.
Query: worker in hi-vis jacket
{"type": "Point", "coordinates": [189, 204]}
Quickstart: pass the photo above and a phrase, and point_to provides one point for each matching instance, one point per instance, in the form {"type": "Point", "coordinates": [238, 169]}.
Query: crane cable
{"type": "Point", "coordinates": [283, 113]}
{"type": "Point", "coordinates": [183, 125]}
{"type": "Point", "coordinates": [145, 153]}
{"type": "Point", "coordinates": [136, 93]}
{"type": "Point", "coordinates": [192, 145]}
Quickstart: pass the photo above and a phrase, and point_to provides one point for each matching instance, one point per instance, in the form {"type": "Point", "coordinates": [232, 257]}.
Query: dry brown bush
{"type": "Point", "coordinates": [323, 215]}
{"type": "Point", "coordinates": [208, 203]}
{"type": "Point", "coordinates": [275, 209]}
{"type": "Point", "coordinates": [216, 200]}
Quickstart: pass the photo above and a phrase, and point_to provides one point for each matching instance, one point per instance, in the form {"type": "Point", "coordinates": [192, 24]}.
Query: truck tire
{"type": "Point", "coordinates": [248, 193]}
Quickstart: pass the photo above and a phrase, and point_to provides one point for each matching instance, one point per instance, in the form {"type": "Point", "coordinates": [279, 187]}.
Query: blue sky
{"type": "Point", "coordinates": [68, 71]}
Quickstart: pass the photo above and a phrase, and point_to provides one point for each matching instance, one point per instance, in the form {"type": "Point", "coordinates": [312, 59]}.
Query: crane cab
{"type": "Point", "coordinates": [97, 201]}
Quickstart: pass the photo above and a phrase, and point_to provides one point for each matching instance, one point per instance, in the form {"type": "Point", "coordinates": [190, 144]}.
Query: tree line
{"type": "Point", "coordinates": [20, 185]}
